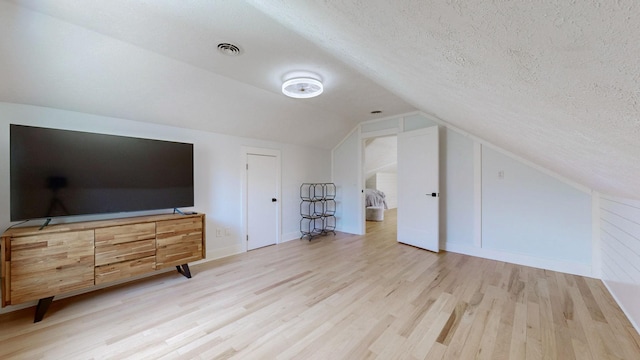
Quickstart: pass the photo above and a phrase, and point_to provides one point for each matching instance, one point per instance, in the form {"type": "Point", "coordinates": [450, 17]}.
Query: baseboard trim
{"type": "Point", "coordinates": [520, 259]}
{"type": "Point", "coordinates": [220, 253]}
{"type": "Point", "coordinates": [622, 306]}
{"type": "Point", "coordinates": [290, 236]}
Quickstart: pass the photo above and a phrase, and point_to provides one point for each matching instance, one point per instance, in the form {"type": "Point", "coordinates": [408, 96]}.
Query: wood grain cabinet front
{"type": "Point", "coordinates": [179, 242]}
{"type": "Point", "coordinates": [49, 264]}
{"type": "Point", "coordinates": [125, 251]}
{"type": "Point", "coordinates": [124, 269]}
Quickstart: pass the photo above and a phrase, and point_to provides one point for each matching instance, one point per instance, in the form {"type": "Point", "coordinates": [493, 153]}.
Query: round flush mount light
{"type": "Point", "coordinates": [302, 87]}
{"type": "Point", "coordinates": [229, 49]}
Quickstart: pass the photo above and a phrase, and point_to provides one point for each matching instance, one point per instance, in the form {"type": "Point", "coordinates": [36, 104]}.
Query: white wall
{"type": "Point", "coordinates": [531, 217]}
{"type": "Point", "coordinates": [456, 190]}
{"type": "Point", "coordinates": [527, 212]}
{"type": "Point", "coordinates": [388, 184]}
{"type": "Point", "coordinates": [370, 183]}
{"type": "Point", "coordinates": [218, 168]}
{"type": "Point", "coordinates": [300, 165]}
{"type": "Point", "coordinates": [620, 243]}
{"type": "Point", "coordinates": [347, 174]}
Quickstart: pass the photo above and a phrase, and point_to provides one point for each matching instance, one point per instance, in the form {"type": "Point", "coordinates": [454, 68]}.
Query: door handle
{"type": "Point", "coordinates": [274, 199]}
{"type": "Point", "coordinates": [434, 194]}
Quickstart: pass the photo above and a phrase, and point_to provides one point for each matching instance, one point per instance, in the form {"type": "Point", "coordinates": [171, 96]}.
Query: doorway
{"type": "Point", "coordinates": [415, 160]}
{"type": "Point", "coordinates": [380, 165]}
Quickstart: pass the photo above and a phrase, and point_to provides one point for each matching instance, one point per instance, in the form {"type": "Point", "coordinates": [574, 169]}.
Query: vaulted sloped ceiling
{"type": "Point", "coordinates": [555, 82]}
{"type": "Point", "coordinates": [380, 155]}
{"type": "Point", "coordinates": [157, 61]}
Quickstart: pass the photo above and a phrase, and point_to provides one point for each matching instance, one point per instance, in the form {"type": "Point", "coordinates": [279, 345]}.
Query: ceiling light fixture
{"type": "Point", "coordinates": [302, 87]}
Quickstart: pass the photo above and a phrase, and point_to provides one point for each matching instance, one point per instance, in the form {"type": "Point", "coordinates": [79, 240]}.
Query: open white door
{"type": "Point", "coordinates": [418, 188]}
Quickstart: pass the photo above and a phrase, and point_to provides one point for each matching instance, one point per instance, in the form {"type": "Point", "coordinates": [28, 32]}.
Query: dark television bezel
{"type": "Point", "coordinates": [96, 213]}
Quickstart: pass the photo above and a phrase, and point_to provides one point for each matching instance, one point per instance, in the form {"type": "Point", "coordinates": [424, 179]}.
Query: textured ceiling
{"type": "Point", "coordinates": [555, 82]}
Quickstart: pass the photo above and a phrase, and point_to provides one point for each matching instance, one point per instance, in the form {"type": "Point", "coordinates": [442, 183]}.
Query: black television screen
{"type": "Point", "coordinates": [62, 173]}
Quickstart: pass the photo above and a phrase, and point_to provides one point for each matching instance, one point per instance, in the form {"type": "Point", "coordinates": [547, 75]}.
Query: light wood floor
{"type": "Point", "coordinates": [336, 297]}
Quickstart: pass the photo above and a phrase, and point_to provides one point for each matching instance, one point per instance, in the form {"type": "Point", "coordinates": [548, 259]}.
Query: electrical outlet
{"type": "Point", "coordinates": [501, 174]}
{"type": "Point", "coordinates": [218, 232]}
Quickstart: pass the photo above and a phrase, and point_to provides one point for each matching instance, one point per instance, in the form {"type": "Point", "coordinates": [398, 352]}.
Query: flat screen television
{"type": "Point", "coordinates": [62, 173]}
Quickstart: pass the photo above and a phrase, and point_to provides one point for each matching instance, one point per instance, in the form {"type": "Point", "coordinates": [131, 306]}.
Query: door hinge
{"type": "Point", "coordinates": [247, 237]}
{"type": "Point", "coordinates": [247, 166]}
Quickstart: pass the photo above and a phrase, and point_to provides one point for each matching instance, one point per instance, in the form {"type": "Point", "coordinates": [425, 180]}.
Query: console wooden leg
{"type": "Point", "coordinates": [184, 270]}
{"type": "Point", "coordinates": [41, 309]}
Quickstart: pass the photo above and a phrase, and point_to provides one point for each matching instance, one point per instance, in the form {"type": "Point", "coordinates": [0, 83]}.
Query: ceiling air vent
{"type": "Point", "coordinates": [229, 49]}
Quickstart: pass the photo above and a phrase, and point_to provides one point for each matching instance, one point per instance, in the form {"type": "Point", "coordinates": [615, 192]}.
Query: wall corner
{"type": "Point", "coordinates": [596, 248]}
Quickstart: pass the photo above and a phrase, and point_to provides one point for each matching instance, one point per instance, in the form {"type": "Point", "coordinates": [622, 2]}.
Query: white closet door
{"type": "Point", "coordinates": [262, 193]}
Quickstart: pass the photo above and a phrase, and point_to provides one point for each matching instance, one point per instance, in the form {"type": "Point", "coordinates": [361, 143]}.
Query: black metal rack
{"type": "Point", "coordinates": [317, 209]}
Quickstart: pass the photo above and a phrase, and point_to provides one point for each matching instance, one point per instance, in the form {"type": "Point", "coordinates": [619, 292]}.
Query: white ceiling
{"type": "Point", "coordinates": [555, 82]}
{"type": "Point", "coordinates": [157, 61]}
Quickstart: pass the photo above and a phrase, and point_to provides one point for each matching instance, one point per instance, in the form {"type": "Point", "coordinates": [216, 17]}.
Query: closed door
{"type": "Point", "coordinates": [418, 183]}
{"type": "Point", "coordinates": [262, 182]}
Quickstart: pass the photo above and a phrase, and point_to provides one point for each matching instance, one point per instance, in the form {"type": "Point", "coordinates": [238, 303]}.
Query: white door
{"type": "Point", "coordinates": [418, 191]}
{"type": "Point", "coordinates": [262, 209]}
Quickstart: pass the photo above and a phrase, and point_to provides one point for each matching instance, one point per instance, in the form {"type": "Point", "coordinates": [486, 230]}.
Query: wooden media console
{"type": "Point", "coordinates": [40, 264]}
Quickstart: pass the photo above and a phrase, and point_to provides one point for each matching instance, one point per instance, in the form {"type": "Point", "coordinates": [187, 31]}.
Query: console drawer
{"type": "Point", "coordinates": [111, 254]}
{"type": "Point", "coordinates": [126, 269]}
{"type": "Point", "coordinates": [187, 250]}
{"type": "Point", "coordinates": [179, 242]}
{"type": "Point", "coordinates": [125, 233]}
